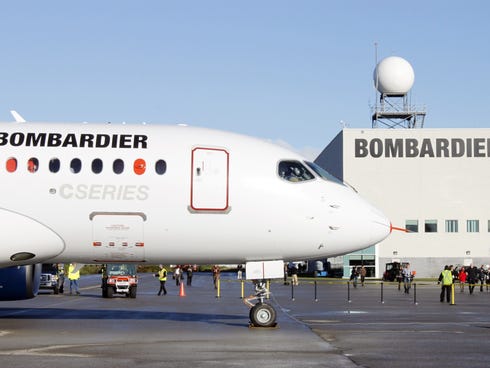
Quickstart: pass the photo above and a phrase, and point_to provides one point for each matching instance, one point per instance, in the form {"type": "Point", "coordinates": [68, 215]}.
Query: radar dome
{"type": "Point", "coordinates": [393, 75]}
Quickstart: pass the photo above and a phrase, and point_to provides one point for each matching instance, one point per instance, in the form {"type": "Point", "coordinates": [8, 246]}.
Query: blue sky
{"type": "Point", "coordinates": [288, 71]}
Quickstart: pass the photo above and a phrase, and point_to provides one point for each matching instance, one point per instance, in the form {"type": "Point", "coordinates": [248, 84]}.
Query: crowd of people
{"type": "Point", "coordinates": [472, 276]}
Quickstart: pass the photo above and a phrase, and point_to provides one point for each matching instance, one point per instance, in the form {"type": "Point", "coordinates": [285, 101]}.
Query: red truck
{"type": "Point", "coordinates": [119, 278]}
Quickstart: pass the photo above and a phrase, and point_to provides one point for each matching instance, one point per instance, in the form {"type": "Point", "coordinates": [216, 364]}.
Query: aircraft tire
{"type": "Point", "coordinates": [263, 315]}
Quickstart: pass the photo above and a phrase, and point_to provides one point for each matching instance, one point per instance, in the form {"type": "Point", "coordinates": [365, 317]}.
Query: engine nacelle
{"type": "Point", "coordinates": [19, 282]}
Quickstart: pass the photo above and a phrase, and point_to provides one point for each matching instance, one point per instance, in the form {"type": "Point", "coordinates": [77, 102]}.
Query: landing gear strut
{"type": "Point", "coordinates": [261, 314]}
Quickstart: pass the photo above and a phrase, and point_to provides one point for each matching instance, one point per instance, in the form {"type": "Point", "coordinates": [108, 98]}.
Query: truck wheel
{"type": "Point", "coordinates": [110, 292]}
{"type": "Point", "coordinates": [56, 290]}
{"type": "Point", "coordinates": [132, 292]}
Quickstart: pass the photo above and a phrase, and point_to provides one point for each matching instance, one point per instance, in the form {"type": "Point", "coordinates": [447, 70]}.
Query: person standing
{"type": "Point", "coordinates": [177, 275]}
{"type": "Point", "coordinates": [61, 277]}
{"type": "Point", "coordinates": [446, 278]}
{"type": "Point", "coordinates": [407, 278]}
{"type": "Point", "coordinates": [482, 276]}
{"type": "Point", "coordinates": [286, 274]}
{"type": "Point", "coordinates": [73, 276]}
{"type": "Point", "coordinates": [354, 275]}
{"type": "Point", "coordinates": [239, 272]}
{"type": "Point", "coordinates": [472, 277]}
{"type": "Point", "coordinates": [462, 279]}
{"type": "Point", "coordinates": [189, 275]}
{"type": "Point", "coordinates": [363, 275]}
{"type": "Point", "coordinates": [216, 275]}
{"type": "Point", "coordinates": [162, 277]}
{"type": "Point", "coordinates": [294, 275]}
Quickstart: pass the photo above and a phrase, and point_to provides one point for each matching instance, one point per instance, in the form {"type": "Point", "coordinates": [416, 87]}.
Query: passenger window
{"type": "Point", "coordinates": [97, 166]}
{"type": "Point", "coordinates": [11, 165]}
{"type": "Point", "coordinates": [54, 165]}
{"type": "Point", "coordinates": [294, 171]}
{"type": "Point", "coordinates": [75, 165]}
{"type": "Point", "coordinates": [161, 167]}
{"type": "Point", "coordinates": [139, 166]}
{"type": "Point", "coordinates": [32, 165]}
{"type": "Point", "coordinates": [118, 166]}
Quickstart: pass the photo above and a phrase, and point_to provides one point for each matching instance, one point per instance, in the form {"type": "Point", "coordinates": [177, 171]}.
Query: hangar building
{"type": "Point", "coordinates": [433, 182]}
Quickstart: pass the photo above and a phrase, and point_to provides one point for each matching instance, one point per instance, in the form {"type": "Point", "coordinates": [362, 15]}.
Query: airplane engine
{"type": "Point", "coordinates": [19, 282]}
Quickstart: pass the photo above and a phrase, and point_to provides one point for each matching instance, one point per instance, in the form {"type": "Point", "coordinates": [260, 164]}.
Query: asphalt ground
{"type": "Point", "coordinates": [335, 327]}
{"type": "Point", "coordinates": [383, 327]}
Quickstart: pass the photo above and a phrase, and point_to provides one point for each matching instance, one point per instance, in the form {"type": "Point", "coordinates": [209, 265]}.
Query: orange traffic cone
{"type": "Point", "coordinates": [182, 291]}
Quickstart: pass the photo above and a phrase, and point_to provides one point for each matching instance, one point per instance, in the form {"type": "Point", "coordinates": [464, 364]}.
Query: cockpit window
{"type": "Point", "coordinates": [323, 173]}
{"type": "Point", "coordinates": [294, 171]}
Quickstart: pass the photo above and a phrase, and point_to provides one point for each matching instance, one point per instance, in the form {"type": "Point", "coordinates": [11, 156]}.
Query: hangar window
{"type": "Point", "coordinates": [118, 166]}
{"type": "Point", "coordinates": [97, 166]}
{"type": "Point", "coordinates": [11, 164]}
{"type": "Point", "coordinates": [75, 165]}
{"type": "Point", "coordinates": [451, 226]}
{"type": "Point", "coordinates": [412, 226]}
{"type": "Point", "coordinates": [294, 171]}
{"type": "Point", "coordinates": [473, 226]}
{"type": "Point", "coordinates": [160, 167]}
{"type": "Point", "coordinates": [54, 165]}
{"type": "Point", "coordinates": [430, 226]}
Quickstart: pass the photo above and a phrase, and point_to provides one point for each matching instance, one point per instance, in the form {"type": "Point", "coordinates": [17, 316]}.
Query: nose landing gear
{"type": "Point", "coordinates": [261, 314]}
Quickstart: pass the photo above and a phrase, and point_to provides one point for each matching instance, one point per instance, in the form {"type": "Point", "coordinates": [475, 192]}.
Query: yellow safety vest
{"type": "Point", "coordinates": [447, 277]}
{"type": "Point", "coordinates": [73, 275]}
{"type": "Point", "coordinates": [162, 274]}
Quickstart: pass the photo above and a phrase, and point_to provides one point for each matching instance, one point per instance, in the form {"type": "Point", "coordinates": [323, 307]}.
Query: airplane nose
{"type": "Point", "coordinates": [380, 226]}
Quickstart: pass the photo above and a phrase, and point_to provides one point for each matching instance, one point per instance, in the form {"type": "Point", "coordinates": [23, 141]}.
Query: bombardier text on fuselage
{"type": "Point", "coordinates": [83, 140]}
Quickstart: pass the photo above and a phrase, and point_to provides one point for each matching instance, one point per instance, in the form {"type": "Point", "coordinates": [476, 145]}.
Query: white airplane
{"type": "Point", "coordinates": [106, 193]}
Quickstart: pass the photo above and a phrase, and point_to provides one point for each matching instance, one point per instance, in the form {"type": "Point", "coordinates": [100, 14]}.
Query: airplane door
{"type": "Point", "coordinates": [209, 180]}
{"type": "Point", "coordinates": [118, 236]}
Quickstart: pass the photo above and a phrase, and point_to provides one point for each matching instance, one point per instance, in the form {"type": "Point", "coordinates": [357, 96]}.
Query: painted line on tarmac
{"type": "Point", "coordinates": [46, 351]}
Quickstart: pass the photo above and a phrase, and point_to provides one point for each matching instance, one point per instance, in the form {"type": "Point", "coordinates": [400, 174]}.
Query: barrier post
{"type": "Point", "coordinates": [415, 294]}
{"type": "Point", "coordinates": [292, 291]}
{"type": "Point", "coordinates": [452, 294]}
{"type": "Point", "coordinates": [242, 282]}
{"type": "Point", "coordinates": [218, 288]}
{"type": "Point", "coordinates": [316, 299]}
{"type": "Point", "coordinates": [382, 296]}
{"type": "Point", "coordinates": [348, 291]}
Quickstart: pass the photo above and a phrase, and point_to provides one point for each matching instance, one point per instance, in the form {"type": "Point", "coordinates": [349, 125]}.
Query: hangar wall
{"type": "Point", "coordinates": [433, 181]}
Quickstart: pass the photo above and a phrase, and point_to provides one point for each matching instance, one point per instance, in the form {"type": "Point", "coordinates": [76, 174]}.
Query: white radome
{"type": "Point", "coordinates": [393, 75]}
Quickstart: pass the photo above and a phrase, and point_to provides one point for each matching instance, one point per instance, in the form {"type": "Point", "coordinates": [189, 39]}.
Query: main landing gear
{"type": "Point", "coordinates": [261, 314]}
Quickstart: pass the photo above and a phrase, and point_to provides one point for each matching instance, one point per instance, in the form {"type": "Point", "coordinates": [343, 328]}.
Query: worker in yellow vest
{"type": "Point", "coordinates": [162, 277]}
{"type": "Point", "coordinates": [73, 276]}
{"type": "Point", "coordinates": [446, 278]}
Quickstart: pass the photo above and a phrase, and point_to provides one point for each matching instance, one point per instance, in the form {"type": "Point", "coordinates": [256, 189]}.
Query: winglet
{"type": "Point", "coordinates": [18, 118]}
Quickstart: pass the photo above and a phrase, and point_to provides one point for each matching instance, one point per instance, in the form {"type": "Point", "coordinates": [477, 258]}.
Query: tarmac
{"type": "Point", "coordinates": [324, 325]}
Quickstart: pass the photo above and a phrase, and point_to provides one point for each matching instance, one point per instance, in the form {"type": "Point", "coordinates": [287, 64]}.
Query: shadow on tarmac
{"type": "Point", "coordinates": [117, 314]}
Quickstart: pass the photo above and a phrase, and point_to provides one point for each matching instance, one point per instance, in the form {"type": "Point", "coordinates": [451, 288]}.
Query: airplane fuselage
{"type": "Point", "coordinates": [91, 193]}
